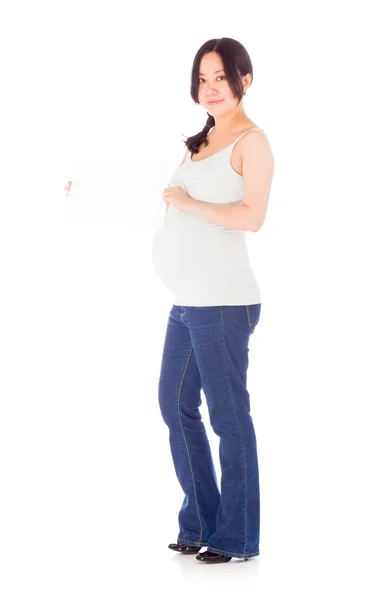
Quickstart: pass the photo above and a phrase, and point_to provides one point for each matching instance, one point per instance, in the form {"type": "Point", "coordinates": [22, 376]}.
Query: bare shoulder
{"type": "Point", "coordinates": [257, 169]}
{"type": "Point", "coordinates": [255, 133]}
{"type": "Point", "coordinates": [255, 141]}
{"type": "Point", "coordinates": [256, 155]}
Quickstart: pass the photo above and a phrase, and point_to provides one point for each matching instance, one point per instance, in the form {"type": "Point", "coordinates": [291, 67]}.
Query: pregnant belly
{"type": "Point", "coordinates": [197, 261]}
{"type": "Point", "coordinates": [173, 260]}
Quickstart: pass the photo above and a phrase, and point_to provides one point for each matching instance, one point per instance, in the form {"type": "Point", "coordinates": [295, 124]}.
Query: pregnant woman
{"type": "Point", "coordinates": [219, 193]}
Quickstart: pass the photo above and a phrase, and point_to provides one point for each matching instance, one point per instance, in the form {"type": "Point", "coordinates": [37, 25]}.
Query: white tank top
{"type": "Point", "coordinates": [200, 262]}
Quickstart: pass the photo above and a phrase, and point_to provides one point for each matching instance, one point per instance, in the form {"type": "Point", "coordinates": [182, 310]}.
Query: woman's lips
{"type": "Point", "coordinates": [215, 102]}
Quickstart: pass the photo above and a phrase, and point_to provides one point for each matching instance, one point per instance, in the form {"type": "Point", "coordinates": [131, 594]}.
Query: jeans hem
{"type": "Point", "coordinates": [191, 542]}
{"type": "Point", "coordinates": [232, 554]}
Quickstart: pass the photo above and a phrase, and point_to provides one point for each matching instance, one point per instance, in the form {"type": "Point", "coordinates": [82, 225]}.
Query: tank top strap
{"type": "Point", "coordinates": [244, 132]}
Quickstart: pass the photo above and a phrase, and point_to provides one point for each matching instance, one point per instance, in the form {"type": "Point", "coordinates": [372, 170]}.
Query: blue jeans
{"type": "Point", "coordinates": [207, 348]}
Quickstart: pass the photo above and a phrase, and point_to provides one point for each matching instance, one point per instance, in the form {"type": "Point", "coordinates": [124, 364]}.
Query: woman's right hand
{"type": "Point", "coordinates": [68, 187]}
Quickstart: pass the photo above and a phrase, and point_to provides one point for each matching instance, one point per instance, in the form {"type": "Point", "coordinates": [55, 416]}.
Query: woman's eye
{"type": "Point", "coordinates": [223, 77]}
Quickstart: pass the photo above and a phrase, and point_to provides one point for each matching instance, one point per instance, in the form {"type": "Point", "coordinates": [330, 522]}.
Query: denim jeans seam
{"type": "Point", "coordinates": [241, 436]}
{"type": "Point", "coordinates": [249, 318]}
{"type": "Point", "coordinates": [185, 442]}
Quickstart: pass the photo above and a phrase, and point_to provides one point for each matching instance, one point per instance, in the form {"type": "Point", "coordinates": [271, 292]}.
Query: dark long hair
{"type": "Point", "coordinates": [236, 64]}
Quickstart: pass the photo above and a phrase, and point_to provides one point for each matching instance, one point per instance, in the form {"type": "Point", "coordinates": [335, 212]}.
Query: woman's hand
{"type": "Point", "coordinates": [178, 197]}
{"type": "Point", "coordinates": [68, 187]}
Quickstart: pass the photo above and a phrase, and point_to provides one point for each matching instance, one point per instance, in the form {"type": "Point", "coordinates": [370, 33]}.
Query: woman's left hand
{"type": "Point", "coordinates": [178, 197]}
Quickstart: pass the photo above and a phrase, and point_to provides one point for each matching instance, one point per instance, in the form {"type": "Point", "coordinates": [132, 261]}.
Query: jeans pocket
{"type": "Point", "coordinates": [253, 314]}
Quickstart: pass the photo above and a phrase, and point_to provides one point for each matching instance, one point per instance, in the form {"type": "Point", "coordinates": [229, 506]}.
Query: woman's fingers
{"type": "Point", "coordinates": [68, 187]}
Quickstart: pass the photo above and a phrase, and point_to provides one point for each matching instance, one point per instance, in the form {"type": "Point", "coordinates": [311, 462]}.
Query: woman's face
{"type": "Point", "coordinates": [212, 85]}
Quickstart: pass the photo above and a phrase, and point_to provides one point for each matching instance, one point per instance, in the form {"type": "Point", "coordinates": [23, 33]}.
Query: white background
{"type": "Point", "coordinates": [100, 93]}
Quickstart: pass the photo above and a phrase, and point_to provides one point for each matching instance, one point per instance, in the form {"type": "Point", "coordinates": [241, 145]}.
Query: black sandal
{"type": "Point", "coordinates": [184, 549]}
